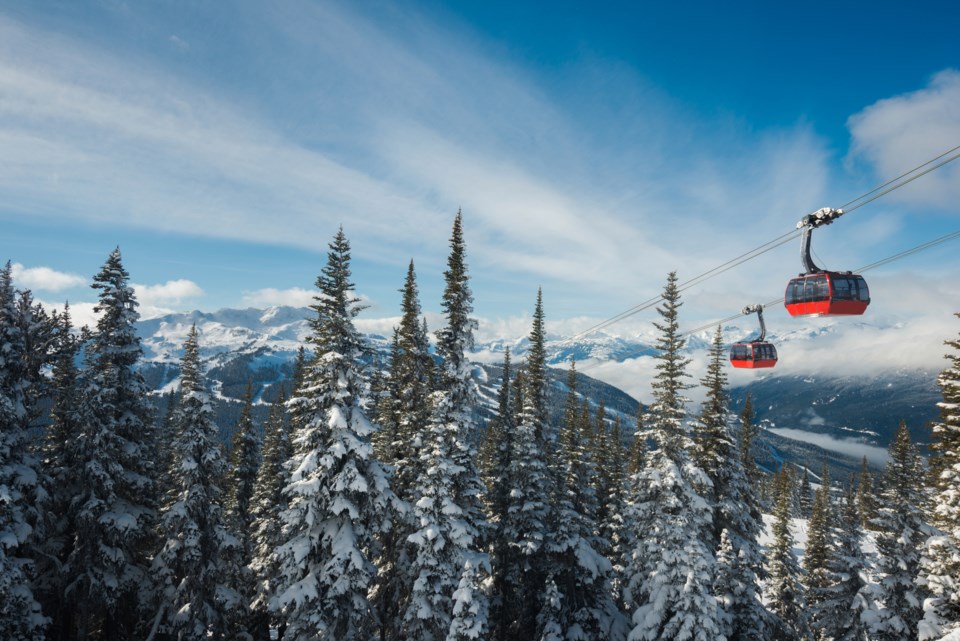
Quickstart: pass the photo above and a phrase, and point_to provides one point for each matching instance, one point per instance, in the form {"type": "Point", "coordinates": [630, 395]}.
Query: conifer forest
{"type": "Point", "coordinates": [375, 504]}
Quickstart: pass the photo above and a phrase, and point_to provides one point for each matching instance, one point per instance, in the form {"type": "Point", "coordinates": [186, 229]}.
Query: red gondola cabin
{"type": "Point", "coordinates": [753, 355]}
{"type": "Point", "coordinates": [827, 294]}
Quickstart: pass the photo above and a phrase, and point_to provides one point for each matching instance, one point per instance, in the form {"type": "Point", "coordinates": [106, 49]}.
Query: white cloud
{"type": "Point", "coordinates": [173, 292]}
{"type": "Point", "coordinates": [81, 314]}
{"type": "Point", "coordinates": [44, 278]}
{"type": "Point", "coordinates": [270, 297]}
{"type": "Point", "coordinates": [898, 133]}
{"type": "Point", "coordinates": [849, 447]}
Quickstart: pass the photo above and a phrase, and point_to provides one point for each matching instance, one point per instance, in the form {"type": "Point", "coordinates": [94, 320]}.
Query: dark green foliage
{"type": "Point", "coordinates": [748, 436]}
{"type": "Point", "coordinates": [266, 505]}
{"type": "Point", "coordinates": [669, 406]}
{"type": "Point", "coordinates": [108, 567]}
{"type": "Point", "coordinates": [242, 476]}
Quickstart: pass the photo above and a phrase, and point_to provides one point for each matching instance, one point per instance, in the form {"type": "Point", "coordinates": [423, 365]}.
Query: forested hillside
{"type": "Point", "coordinates": [414, 495]}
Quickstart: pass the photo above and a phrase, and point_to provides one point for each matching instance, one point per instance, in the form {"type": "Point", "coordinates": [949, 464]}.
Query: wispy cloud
{"type": "Point", "coordinates": [897, 133]}
{"type": "Point", "coordinates": [414, 141]}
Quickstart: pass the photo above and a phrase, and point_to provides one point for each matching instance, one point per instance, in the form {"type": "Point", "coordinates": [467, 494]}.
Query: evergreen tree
{"type": "Point", "coordinates": [940, 574]}
{"type": "Point", "coordinates": [527, 515]}
{"type": "Point", "coordinates": [670, 571]}
{"type": "Point", "coordinates": [266, 506]}
{"type": "Point", "coordinates": [60, 461]}
{"type": "Point", "coordinates": [406, 413]}
{"type": "Point", "coordinates": [866, 498]}
{"type": "Point", "coordinates": [730, 496]}
{"type": "Point", "coordinates": [451, 526]}
{"type": "Point", "coordinates": [784, 589]}
{"type": "Point", "coordinates": [411, 376]}
{"type": "Point", "coordinates": [20, 614]}
{"type": "Point", "coordinates": [901, 532]}
{"type": "Point", "coordinates": [244, 463]}
{"type": "Point", "coordinates": [669, 384]}
{"type": "Point", "coordinates": [470, 614]}
{"type": "Point", "coordinates": [711, 440]}
{"type": "Point", "coordinates": [748, 437]}
{"type": "Point", "coordinates": [613, 530]}
{"type": "Point", "coordinates": [837, 615]}
{"type": "Point", "coordinates": [818, 552]}
{"type": "Point", "coordinates": [579, 573]}
{"type": "Point", "coordinates": [166, 436]}
{"type": "Point", "coordinates": [384, 390]}
{"type": "Point", "coordinates": [638, 449]}
{"type": "Point", "coordinates": [503, 559]}
{"type": "Point", "coordinates": [107, 570]}
{"type": "Point", "coordinates": [597, 445]}
{"type": "Point", "coordinates": [497, 446]}
{"type": "Point", "coordinates": [805, 494]}
{"type": "Point", "coordinates": [339, 499]}
{"type": "Point", "coordinates": [198, 562]}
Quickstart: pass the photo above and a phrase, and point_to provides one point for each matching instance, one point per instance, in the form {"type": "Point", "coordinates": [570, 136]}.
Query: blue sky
{"type": "Point", "coordinates": [591, 150]}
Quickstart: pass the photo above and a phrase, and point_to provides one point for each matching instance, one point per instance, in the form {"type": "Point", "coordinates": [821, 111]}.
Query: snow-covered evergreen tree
{"type": "Point", "coordinates": [20, 490]}
{"type": "Point", "coordinates": [837, 613]}
{"type": "Point", "coordinates": [244, 462]}
{"type": "Point", "coordinates": [198, 563]}
{"type": "Point", "coordinates": [61, 466]}
{"type": "Point", "coordinates": [526, 521]}
{"type": "Point", "coordinates": [866, 496]}
{"type": "Point", "coordinates": [748, 437]}
{"type": "Point", "coordinates": [940, 573]}
{"type": "Point", "coordinates": [405, 406]}
{"type": "Point", "coordinates": [735, 510]}
{"type": "Point", "coordinates": [805, 494]}
{"type": "Point", "coordinates": [638, 448]}
{"type": "Point", "coordinates": [500, 434]}
{"type": "Point", "coordinates": [107, 570]}
{"type": "Point", "coordinates": [339, 497]}
{"type": "Point", "coordinates": [579, 572]}
{"type": "Point", "coordinates": [901, 532]}
{"type": "Point", "coordinates": [784, 589]}
{"type": "Point", "coordinates": [245, 455]}
{"type": "Point", "coordinates": [266, 505]}
{"type": "Point", "coordinates": [471, 615]}
{"type": "Point", "coordinates": [670, 570]}
{"type": "Point", "coordinates": [451, 526]}
{"type": "Point", "coordinates": [818, 552]}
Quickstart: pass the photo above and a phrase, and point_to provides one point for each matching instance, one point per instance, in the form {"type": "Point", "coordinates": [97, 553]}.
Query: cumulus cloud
{"type": "Point", "coordinates": [44, 278]}
{"type": "Point", "coordinates": [173, 292]}
{"type": "Point", "coordinates": [897, 133]}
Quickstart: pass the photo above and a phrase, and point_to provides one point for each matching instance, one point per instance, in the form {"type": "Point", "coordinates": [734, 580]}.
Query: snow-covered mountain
{"type": "Point", "coordinates": [833, 409]}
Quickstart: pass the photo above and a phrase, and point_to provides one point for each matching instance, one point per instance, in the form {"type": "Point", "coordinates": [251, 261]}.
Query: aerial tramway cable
{"type": "Point", "coordinates": [865, 198]}
{"type": "Point", "coordinates": [777, 301]}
